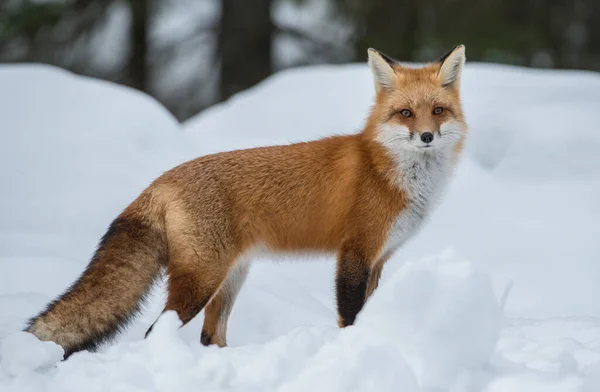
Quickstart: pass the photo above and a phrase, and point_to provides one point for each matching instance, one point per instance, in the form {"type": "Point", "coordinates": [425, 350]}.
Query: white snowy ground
{"type": "Point", "coordinates": [518, 230]}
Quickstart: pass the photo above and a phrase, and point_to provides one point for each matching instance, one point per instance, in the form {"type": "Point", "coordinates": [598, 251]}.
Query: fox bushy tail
{"type": "Point", "coordinates": [109, 293]}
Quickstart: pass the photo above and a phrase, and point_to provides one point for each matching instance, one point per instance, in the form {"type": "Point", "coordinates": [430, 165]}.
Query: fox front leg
{"type": "Point", "coordinates": [352, 277]}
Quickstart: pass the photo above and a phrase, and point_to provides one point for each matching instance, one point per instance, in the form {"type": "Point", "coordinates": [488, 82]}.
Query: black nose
{"type": "Point", "coordinates": [427, 137]}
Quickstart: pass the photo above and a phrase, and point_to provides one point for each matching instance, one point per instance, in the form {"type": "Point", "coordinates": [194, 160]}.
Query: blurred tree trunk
{"type": "Point", "coordinates": [245, 44]}
{"type": "Point", "coordinates": [391, 26]}
{"type": "Point", "coordinates": [137, 65]}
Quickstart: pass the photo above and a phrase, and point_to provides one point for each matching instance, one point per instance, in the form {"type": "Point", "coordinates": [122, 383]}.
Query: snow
{"type": "Point", "coordinates": [435, 322]}
{"type": "Point", "coordinates": [22, 352]}
{"type": "Point", "coordinates": [498, 293]}
{"type": "Point", "coordinates": [68, 148]}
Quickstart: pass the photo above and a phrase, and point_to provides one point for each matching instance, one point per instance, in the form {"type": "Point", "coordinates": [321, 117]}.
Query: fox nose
{"type": "Point", "coordinates": [427, 137]}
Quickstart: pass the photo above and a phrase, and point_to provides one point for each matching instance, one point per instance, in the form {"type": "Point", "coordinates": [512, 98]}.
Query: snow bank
{"type": "Point", "coordinates": [431, 327]}
{"type": "Point", "coordinates": [435, 320]}
{"type": "Point", "coordinates": [290, 106]}
{"type": "Point", "coordinates": [74, 151]}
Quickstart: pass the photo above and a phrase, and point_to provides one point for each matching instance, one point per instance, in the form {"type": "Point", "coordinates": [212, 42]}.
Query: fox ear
{"type": "Point", "coordinates": [451, 66]}
{"type": "Point", "coordinates": [381, 68]}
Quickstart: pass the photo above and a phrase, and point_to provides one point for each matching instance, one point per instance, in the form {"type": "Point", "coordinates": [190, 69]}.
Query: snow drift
{"type": "Point", "coordinates": [433, 325]}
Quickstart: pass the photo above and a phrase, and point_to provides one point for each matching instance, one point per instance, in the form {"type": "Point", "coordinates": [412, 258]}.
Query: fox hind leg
{"type": "Point", "coordinates": [216, 313]}
{"type": "Point", "coordinates": [193, 280]}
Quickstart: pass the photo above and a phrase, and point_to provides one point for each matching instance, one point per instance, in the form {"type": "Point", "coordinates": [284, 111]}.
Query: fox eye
{"type": "Point", "coordinates": [406, 113]}
{"type": "Point", "coordinates": [438, 110]}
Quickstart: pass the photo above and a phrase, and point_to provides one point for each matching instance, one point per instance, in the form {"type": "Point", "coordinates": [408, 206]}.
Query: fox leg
{"type": "Point", "coordinates": [190, 289]}
{"type": "Point", "coordinates": [219, 308]}
{"type": "Point", "coordinates": [194, 277]}
{"type": "Point", "coordinates": [352, 278]}
{"type": "Point", "coordinates": [375, 274]}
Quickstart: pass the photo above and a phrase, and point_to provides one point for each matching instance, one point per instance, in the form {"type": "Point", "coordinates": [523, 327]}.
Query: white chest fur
{"type": "Point", "coordinates": [424, 176]}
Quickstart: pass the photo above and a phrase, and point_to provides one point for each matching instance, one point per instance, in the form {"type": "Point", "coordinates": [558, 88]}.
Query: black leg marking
{"type": "Point", "coordinates": [351, 286]}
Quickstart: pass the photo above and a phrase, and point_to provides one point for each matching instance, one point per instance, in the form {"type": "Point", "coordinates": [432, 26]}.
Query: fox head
{"type": "Point", "coordinates": [417, 109]}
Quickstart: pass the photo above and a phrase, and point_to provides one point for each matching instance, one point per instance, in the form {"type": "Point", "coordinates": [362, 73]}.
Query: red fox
{"type": "Point", "coordinates": [358, 196]}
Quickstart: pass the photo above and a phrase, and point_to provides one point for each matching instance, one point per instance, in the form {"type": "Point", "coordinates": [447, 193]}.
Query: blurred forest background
{"type": "Point", "coordinates": [190, 54]}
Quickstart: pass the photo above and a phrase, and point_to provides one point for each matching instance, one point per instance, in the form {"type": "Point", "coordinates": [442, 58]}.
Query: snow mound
{"type": "Point", "coordinates": [532, 124]}
{"type": "Point", "coordinates": [74, 151]}
{"type": "Point", "coordinates": [432, 325]}
{"type": "Point", "coordinates": [434, 319]}
{"type": "Point", "coordinates": [291, 106]}
{"type": "Point", "coordinates": [443, 312]}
